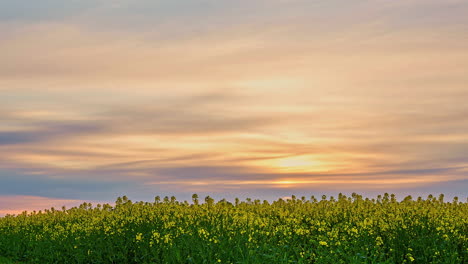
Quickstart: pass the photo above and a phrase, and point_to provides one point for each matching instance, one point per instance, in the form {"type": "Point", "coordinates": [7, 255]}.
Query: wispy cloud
{"type": "Point", "coordinates": [99, 98]}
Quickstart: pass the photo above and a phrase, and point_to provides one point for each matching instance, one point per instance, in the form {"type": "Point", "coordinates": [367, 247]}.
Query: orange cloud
{"type": "Point", "coordinates": [242, 104]}
{"type": "Point", "coordinates": [16, 204]}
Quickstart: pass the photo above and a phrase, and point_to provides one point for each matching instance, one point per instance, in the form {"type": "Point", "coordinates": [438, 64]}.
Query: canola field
{"type": "Point", "coordinates": [297, 230]}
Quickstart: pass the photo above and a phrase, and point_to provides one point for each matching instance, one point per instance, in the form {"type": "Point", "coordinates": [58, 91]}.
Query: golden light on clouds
{"type": "Point", "coordinates": [319, 97]}
{"type": "Point", "coordinates": [323, 181]}
{"type": "Point", "coordinates": [304, 163]}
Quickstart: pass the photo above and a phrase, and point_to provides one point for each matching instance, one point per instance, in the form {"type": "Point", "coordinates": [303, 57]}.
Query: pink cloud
{"type": "Point", "coordinates": [16, 204]}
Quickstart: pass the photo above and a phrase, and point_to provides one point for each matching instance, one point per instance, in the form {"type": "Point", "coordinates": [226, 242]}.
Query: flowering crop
{"type": "Point", "coordinates": [342, 230]}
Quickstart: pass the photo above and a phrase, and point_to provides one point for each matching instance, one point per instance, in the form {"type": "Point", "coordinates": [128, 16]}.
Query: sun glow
{"type": "Point", "coordinates": [298, 164]}
{"type": "Point", "coordinates": [295, 162]}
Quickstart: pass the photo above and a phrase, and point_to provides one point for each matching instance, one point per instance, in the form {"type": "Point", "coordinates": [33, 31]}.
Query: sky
{"type": "Point", "coordinates": [259, 98]}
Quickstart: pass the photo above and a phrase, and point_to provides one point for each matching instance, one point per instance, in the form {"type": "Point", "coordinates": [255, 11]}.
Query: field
{"type": "Point", "coordinates": [297, 230]}
{"type": "Point", "coordinates": [5, 261]}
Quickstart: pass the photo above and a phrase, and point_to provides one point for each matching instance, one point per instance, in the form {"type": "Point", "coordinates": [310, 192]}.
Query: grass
{"type": "Point", "coordinates": [4, 260]}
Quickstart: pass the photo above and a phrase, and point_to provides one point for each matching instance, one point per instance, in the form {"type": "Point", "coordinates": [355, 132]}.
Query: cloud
{"type": "Point", "coordinates": [47, 131]}
{"type": "Point", "coordinates": [46, 10]}
{"type": "Point", "coordinates": [139, 97]}
{"type": "Point", "coordinates": [45, 184]}
{"type": "Point", "coordinates": [16, 204]}
{"type": "Point", "coordinates": [7, 138]}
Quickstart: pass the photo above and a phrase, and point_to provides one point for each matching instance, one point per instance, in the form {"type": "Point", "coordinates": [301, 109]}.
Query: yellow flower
{"type": "Point", "coordinates": [139, 237]}
{"type": "Point", "coordinates": [378, 241]}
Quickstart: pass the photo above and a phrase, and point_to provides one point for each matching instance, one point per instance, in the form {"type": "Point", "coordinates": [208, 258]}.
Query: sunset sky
{"type": "Point", "coordinates": [247, 98]}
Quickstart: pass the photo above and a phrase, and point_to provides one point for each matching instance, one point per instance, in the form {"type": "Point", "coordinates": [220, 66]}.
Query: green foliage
{"type": "Point", "coordinates": [342, 230]}
{"type": "Point", "coordinates": [6, 261]}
